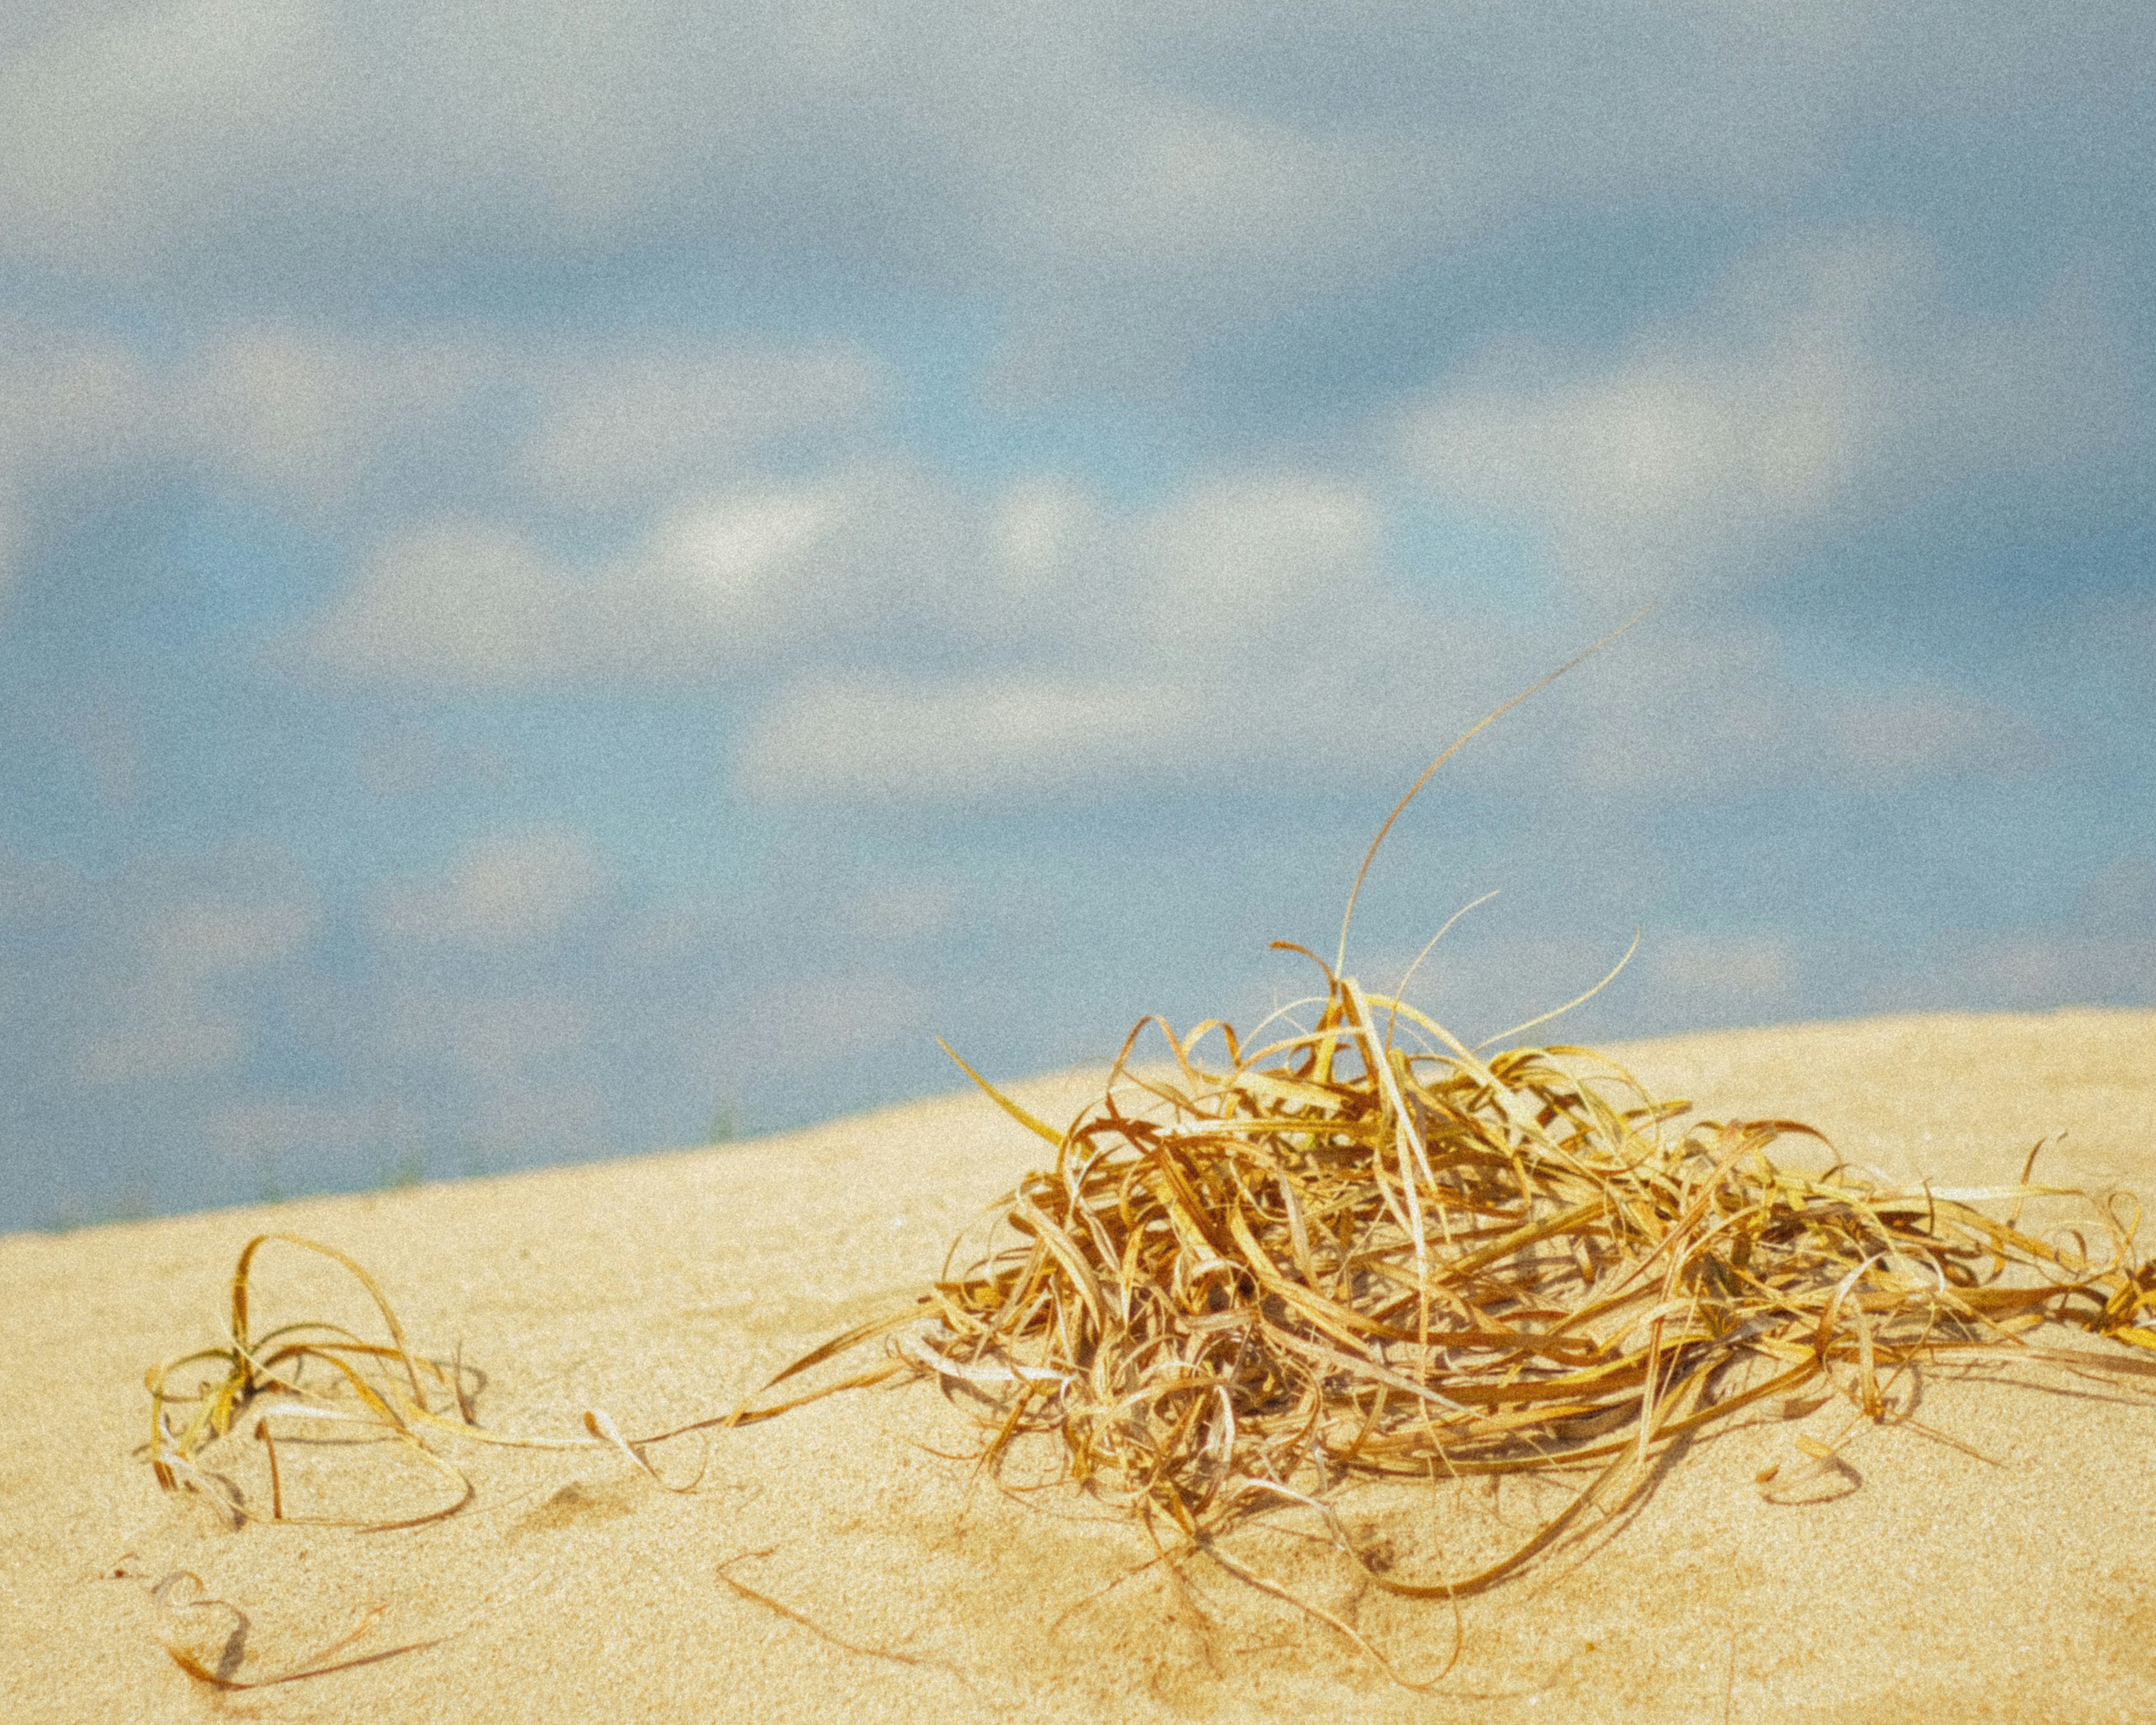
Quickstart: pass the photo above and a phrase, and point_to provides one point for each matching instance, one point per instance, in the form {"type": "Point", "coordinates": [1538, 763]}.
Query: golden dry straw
{"type": "Point", "coordinates": [1334, 1256]}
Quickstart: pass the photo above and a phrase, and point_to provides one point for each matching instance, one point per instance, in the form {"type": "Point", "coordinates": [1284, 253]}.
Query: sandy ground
{"type": "Point", "coordinates": [2006, 1569]}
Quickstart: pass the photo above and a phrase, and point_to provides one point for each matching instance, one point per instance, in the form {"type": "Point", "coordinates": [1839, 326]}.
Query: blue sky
{"type": "Point", "coordinates": [568, 574]}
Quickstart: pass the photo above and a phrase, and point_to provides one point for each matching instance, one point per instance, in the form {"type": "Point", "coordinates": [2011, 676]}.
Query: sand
{"type": "Point", "coordinates": [2005, 1568]}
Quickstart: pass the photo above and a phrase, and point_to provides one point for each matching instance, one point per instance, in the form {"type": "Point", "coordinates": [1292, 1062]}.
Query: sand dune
{"type": "Point", "coordinates": [2003, 1568]}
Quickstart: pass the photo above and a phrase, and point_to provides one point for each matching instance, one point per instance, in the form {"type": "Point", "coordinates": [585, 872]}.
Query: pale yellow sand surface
{"type": "Point", "coordinates": [2004, 1568]}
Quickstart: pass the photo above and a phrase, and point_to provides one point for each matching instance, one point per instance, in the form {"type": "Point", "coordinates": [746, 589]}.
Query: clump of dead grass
{"type": "Point", "coordinates": [1364, 1249]}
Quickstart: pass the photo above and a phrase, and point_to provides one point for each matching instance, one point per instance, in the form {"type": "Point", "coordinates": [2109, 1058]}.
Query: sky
{"type": "Point", "coordinates": [577, 580]}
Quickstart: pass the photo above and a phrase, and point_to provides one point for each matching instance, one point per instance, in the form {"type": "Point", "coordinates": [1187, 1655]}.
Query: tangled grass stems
{"type": "Point", "coordinates": [1332, 1257]}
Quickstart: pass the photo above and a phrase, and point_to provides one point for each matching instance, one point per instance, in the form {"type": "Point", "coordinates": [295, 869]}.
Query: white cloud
{"type": "Point", "coordinates": [1894, 736]}
{"type": "Point", "coordinates": [1176, 189]}
{"type": "Point", "coordinates": [733, 556]}
{"type": "Point", "coordinates": [958, 740]}
{"type": "Point", "coordinates": [506, 889]}
{"type": "Point", "coordinates": [1079, 645]}
{"type": "Point", "coordinates": [1179, 644]}
{"type": "Point", "coordinates": [129, 138]}
{"type": "Point", "coordinates": [11, 545]}
{"type": "Point", "coordinates": [616, 428]}
{"type": "Point", "coordinates": [302, 417]}
{"type": "Point", "coordinates": [174, 129]}
{"type": "Point", "coordinates": [1754, 969]}
{"type": "Point", "coordinates": [118, 134]}
{"type": "Point", "coordinates": [1063, 154]}
{"type": "Point", "coordinates": [304, 414]}
{"type": "Point", "coordinates": [1251, 556]}
{"type": "Point", "coordinates": [1825, 381]}
{"type": "Point", "coordinates": [467, 603]}
{"type": "Point", "coordinates": [1040, 531]}
{"type": "Point", "coordinates": [210, 936]}
{"type": "Point", "coordinates": [280, 414]}
{"type": "Point", "coordinates": [721, 581]}
{"type": "Point", "coordinates": [70, 400]}
{"type": "Point", "coordinates": [163, 1016]}
{"type": "Point", "coordinates": [1132, 240]}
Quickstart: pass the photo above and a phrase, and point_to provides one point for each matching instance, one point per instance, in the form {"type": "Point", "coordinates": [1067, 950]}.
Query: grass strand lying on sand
{"type": "Point", "coordinates": [323, 1663]}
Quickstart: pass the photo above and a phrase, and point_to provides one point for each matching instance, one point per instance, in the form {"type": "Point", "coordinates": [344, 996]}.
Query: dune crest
{"type": "Point", "coordinates": [832, 1561]}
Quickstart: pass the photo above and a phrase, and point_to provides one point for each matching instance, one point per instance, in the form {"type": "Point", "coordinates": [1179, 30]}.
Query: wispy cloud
{"type": "Point", "coordinates": [1170, 646]}
{"type": "Point", "coordinates": [160, 1013]}
{"type": "Point", "coordinates": [681, 526]}
{"type": "Point", "coordinates": [506, 889]}
{"type": "Point", "coordinates": [1826, 381]}
{"type": "Point", "coordinates": [1893, 738]}
{"type": "Point", "coordinates": [719, 582]}
{"type": "Point", "coordinates": [614, 429]}
{"type": "Point", "coordinates": [1054, 155]}
{"type": "Point", "coordinates": [1714, 976]}
{"type": "Point", "coordinates": [961, 740]}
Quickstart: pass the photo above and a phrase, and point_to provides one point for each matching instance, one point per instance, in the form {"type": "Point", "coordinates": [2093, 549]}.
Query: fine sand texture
{"type": "Point", "coordinates": [2000, 1563]}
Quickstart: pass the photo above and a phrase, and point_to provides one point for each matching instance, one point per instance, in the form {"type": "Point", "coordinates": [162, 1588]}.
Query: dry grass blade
{"type": "Point", "coordinates": [780, 1608]}
{"type": "Point", "coordinates": [222, 1676]}
{"type": "Point", "coordinates": [1331, 1259]}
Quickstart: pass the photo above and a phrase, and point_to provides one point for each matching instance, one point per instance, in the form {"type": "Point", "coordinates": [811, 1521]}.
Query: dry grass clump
{"type": "Point", "coordinates": [1335, 1256]}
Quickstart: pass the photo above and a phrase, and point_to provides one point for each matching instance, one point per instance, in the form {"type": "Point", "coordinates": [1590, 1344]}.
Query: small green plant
{"type": "Point", "coordinates": [134, 1202]}
{"type": "Point", "coordinates": [268, 1178]}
